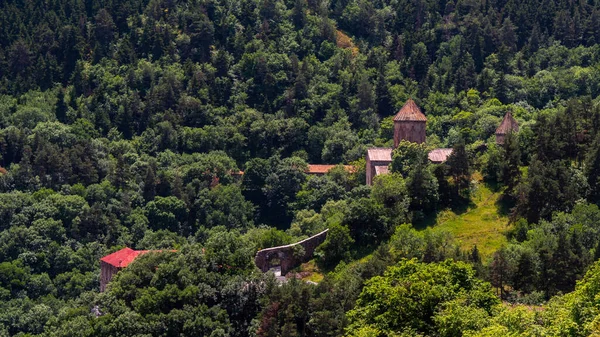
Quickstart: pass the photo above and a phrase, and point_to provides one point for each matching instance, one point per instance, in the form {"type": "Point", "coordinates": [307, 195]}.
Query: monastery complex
{"type": "Point", "coordinates": [410, 124]}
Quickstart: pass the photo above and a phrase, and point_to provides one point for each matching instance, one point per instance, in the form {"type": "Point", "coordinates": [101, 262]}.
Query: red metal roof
{"type": "Point", "coordinates": [123, 257]}
{"type": "Point", "coordinates": [322, 169]}
{"type": "Point", "coordinates": [439, 155]}
{"type": "Point", "coordinates": [410, 112]}
{"type": "Point", "coordinates": [380, 154]}
{"type": "Point", "coordinates": [508, 124]}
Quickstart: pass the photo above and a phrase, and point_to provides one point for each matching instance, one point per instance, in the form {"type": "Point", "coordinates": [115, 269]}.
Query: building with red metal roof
{"type": "Point", "coordinates": [113, 263]}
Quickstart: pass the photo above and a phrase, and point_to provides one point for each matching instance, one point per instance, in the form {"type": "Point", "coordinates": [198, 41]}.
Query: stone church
{"type": "Point", "coordinates": [411, 124]}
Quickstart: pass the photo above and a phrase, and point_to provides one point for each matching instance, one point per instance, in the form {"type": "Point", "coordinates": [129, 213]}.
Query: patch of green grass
{"type": "Point", "coordinates": [482, 224]}
{"type": "Point", "coordinates": [310, 272]}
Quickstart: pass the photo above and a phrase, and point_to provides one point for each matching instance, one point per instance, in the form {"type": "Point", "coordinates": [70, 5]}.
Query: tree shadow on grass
{"type": "Point", "coordinates": [425, 220]}
{"type": "Point", "coordinates": [458, 206]}
{"type": "Point", "coordinates": [462, 205]}
{"type": "Point", "coordinates": [494, 186]}
{"type": "Point", "coordinates": [505, 205]}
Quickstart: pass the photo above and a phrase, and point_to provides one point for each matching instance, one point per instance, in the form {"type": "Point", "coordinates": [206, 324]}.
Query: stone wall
{"type": "Point", "coordinates": [370, 174]}
{"type": "Point", "coordinates": [107, 271]}
{"type": "Point", "coordinates": [285, 254]}
{"type": "Point", "coordinates": [412, 131]}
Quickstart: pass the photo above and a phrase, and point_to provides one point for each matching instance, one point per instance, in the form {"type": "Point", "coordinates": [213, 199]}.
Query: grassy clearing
{"type": "Point", "coordinates": [310, 272]}
{"type": "Point", "coordinates": [481, 225]}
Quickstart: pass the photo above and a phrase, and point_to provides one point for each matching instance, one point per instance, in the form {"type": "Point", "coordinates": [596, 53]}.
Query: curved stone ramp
{"type": "Point", "coordinates": [286, 253]}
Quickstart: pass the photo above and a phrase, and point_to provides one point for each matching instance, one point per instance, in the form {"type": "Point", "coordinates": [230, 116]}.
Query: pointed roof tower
{"type": "Point", "coordinates": [410, 112]}
{"type": "Point", "coordinates": [508, 124]}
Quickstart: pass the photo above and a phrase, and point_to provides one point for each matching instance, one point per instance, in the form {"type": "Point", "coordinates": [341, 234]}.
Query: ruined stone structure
{"type": "Point", "coordinates": [410, 124]}
{"type": "Point", "coordinates": [508, 125]}
{"type": "Point", "coordinates": [284, 255]}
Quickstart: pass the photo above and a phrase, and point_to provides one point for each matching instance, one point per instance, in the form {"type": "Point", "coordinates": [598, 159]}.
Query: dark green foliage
{"type": "Point", "coordinates": [511, 161]}
{"type": "Point", "coordinates": [459, 168]}
{"type": "Point", "coordinates": [550, 187]}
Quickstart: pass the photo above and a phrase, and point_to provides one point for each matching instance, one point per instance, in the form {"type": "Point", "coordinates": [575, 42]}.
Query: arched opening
{"type": "Point", "coordinates": [274, 261]}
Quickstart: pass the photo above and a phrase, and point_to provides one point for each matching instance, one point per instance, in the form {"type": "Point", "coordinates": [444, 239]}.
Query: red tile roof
{"type": "Point", "coordinates": [123, 257]}
{"type": "Point", "coordinates": [410, 112]}
{"type": "Point", "coordinates": [380, 154]}
{"type": "Point", "coordinates": [439, 155]}
{"type": "Point", "coordinates": [508, 124]}
{"type": "Point", "coordinates": [3, 170]}
{"type": "Point", "coordinates": [322, 169]}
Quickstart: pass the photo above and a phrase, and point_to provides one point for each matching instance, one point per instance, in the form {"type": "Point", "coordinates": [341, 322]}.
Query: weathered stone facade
{"type": "Point", "coordinates": [107, 271]}
{"type": "Point", "coordinates": [376, 158]}
{"type": "Point", "coordinates": [412, 131]}
{"type": "Point", "coordinates": [285, 254]}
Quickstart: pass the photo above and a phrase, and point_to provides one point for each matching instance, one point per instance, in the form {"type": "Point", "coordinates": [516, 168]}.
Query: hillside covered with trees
{"type": "Point", "coordinates": [189, 125]}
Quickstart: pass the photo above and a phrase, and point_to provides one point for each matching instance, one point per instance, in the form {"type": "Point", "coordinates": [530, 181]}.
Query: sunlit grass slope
{"type": "Point", "coordinates": [480, 225]}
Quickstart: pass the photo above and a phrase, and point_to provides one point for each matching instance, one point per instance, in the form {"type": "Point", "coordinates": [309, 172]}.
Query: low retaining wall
{"type": "Point", "coordinates": [286, 253]}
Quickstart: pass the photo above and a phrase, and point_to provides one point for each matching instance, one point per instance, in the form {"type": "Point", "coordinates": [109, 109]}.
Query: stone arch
{"type": "Point", "coordinates": [275, 258]}
{"type": "Point", "coordinates": [285, 254]}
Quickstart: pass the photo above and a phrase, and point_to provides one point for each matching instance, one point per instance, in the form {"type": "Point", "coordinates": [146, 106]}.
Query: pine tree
{"type": "Point", "coordinates": [61, 107]}
{"type": "Point", "coordinates": [460, 169]}
{"type": "Point", "coordinates": [510, 167]}
{"type": "Point", "coordinates": [150, 184]}
{"type": "Point", "coordinates": [499, 271]}
{"type": "Point", "coordinates": [592, 170]}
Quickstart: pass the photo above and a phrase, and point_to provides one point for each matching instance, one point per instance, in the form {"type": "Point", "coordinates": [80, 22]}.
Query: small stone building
{"type": "Point", "coordinates": [508, 125]}
{"type": "Point", "coordinates": [320, 169]}
{"type": "Point", "coordinates": [378, 160]}
{"type": "Point", "coordinates": [410, 124]}
{"type": "Point", "coordinates": [113, 263]}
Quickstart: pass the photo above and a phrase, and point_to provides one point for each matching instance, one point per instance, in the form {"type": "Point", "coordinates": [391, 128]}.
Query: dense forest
{"type": "Point", "coordinates": [188, 125]}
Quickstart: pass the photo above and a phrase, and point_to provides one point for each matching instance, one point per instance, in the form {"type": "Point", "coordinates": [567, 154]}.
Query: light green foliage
{"type": "Point", "coordinates": [268, 237]}
{"type": "Point", "coordinates": [336, 247]}
{"type": "Point", "coordinates": [419, 297]}
{"type": "Point", "coordinates": [390, 191]}
{"type": "Point", "coordinates": [223, 205]}
{"type": "Point", "coordinates": [307, 223]}
{"type": "Point", "coordinates": [408, 156]}
{"type": "Point", "coordinates": [481, 225]}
